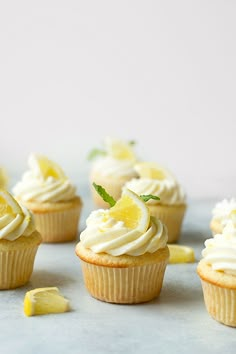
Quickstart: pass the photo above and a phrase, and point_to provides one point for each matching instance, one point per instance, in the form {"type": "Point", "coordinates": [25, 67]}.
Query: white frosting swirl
{"type": "Point", "coordinates": [35, 187]}
{"type": "Point", "coordinates": [168, 190]}
{"type": "Point", "coordinates": [105, 234]}
{"type": "Point", "coordinates": [12, 226]}
{"type": "Point", "coordinates": [111, 167]}
{"type": "Point", "coordinates": [220, 251]}
{"type": "Point", "coordinates": [222, 210]}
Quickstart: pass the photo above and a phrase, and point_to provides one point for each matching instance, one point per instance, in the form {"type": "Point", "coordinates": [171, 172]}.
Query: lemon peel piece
{"type": "Point", "coordinates": [42, 301]}
{"type": "Point", "coordinates": [46, 168]}
{"type": "Point", "coordinates": [132, 210]}
{"type": "Point", "coordinates": [119, 149]}
{"type": "Point", "coordinates": [181, 254]}
{"type": "Point", "coordinates": [152, 170]}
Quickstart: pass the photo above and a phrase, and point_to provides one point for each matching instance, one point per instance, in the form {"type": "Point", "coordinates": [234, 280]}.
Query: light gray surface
{"type": "Point", "coordinates": [176, 322]}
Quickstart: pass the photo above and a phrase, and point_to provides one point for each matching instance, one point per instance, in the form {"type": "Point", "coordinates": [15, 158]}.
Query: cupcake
{"type": "Point", "coordinates": [221, 214]}
{"type": "Point", "coordinates": [123, 251]}
{"type": "Point", "coordinates": [217, 271]}
{"type": "Point", "coordinates": [3, 178]}
{"type": "Point", "coordinates": [51, 197]}
{"type": "Point", "coordinates": [19, 242]}
{"type": "Point", "coordinates": [157, 180]}
{"type": "Point", "coordinates": [112, 167]}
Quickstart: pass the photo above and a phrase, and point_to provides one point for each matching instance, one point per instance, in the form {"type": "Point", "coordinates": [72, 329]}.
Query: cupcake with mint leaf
{"type": "Point", "coordinates": [123, 250]}
{"type": "Point", "coordinates": [112, 167]}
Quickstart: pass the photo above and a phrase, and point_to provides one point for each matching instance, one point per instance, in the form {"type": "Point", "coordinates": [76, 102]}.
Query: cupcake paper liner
{"type": "Point", "coordinates": [220, 303]}
{"type": "Point", "coordinates": [124, 285]}
{"type": "Point", "coordinates": [16, 267]}
{"type": "Point", "coordinates": [58, 226]}
{"type": "Point", "coordinates": [172, 217]}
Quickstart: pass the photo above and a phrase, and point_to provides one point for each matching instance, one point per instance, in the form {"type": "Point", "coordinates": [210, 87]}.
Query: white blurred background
{"type": "Point", "coordinates": [162, 73]}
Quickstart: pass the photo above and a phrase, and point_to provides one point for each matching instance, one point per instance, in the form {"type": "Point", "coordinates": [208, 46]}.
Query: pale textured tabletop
{"type": "Point", "coordinates": [176, 322]}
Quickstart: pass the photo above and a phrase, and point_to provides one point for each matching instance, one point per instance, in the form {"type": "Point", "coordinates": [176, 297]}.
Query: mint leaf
{"type": "Point", "coordinates": [96, 152]}
{"type": "Point", "coordinates": [105, 196]}
{"type": "Point", "coordinates": [132, 142]}
{"type": "Point", "coordinates": [146, 197]}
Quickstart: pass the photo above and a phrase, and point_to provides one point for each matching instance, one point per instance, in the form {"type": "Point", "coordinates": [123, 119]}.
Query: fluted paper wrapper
{"type": "Point", "coordinates": [16, 267]}
{"type": "Point", "coordinates": [172, 217]}
{"type": "Point", "coordinates": [220, 303]}
{"type": "Point", "coordinates": [124, 285]}
{"type": "Point", "coordinates": [58, 226]}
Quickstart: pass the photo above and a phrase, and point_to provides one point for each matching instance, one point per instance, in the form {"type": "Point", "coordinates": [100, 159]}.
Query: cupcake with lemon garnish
{"type": "Point", "coordinates": [221, 214]}
{"type": "Point", "coordinates": [217, 271]}
{"type": "Point", "coordinates": [112, 167]}
{"type": "Point", "coordinates": [51, 196]}
{"type": "Point", "coordinates": [123, 250]}
{"type": "Point", "coordinates": [3, 178]}
{"type": "Point", "coordinates": [19, 242]}
{"type": "Point", "coordinates": [157, 180]}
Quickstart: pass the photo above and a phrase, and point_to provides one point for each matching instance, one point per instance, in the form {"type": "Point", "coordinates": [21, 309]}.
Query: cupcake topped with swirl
{"type": "Point", "coordinates": [112, 167]}
{"type": "Point", "coordinates": [221, 214]}
{"type": "Point", "coordinates": [123, 251]}
{"type": "Point", "coordinates": [19, 242]}
{"type": "Point", "coordinates": [217, 271]}
{"type": "Point", "coordinates": [158, 180]}
{"type": "Point", "coordinates": [51, 196]}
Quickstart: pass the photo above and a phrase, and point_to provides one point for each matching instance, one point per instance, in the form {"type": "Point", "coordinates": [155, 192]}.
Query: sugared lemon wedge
{"type": "Point", "coordinates": [119, 149]}
{"type": "Point", "coordinates": [152, 170]}
{"type": "Point", "coordinates": [8, 204]}
{"type": "Point", "coordinates": [46, 167]}
{"type": "Point", "coordinates": [181, 254]}
{"type": "Point", "coordinates": [42, 301]}
{"type": "Point", "coordinates": [132, 210]}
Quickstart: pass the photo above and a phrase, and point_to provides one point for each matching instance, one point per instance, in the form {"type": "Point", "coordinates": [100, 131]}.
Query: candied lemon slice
{"type": "Point", "coordinates": [152, 170]}
{"type": "Point", "coordinates": [119, 149]}
{"type": "Point", "coordinates": [181, 254]}
{"type": "Point", "coordinates": [8, 204]}
{"type": "Point", "coordinates": [132, 210]}
{"type": "Point", "coordinates": [46, 167]}
{"type": "Point", "coordinates": [42, 301]}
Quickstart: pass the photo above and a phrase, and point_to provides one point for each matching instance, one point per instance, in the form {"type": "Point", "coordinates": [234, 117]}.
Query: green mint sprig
{"type": "Point", "coordinates": [111, 201]}
{"type": "Point", "coordinates": [96, 152]}
{"type": "Point", "coordinates": [105, 196]}
{"type": "Point", "coordinates": [147, 197]}
{"type": "Point", "coordinates": [132, 142]}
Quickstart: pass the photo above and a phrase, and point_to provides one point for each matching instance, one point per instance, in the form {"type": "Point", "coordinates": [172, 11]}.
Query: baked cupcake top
{"type": "Point", "coordinates": [221, 211]}
{"type": "Point", "coordinates": [157, 180]}
{"type": "Point", "coordinates": [45, 181]}
{"type": "Point", "coordinates": [125, 229]}
{"type": "Point", "coordinates": [3, 178]}
{"type": "Point", "coordinates": [116, 160]}
{"type": "Point", "coordinates": [15, 219]}
{"type": "Point", "coordinates": [220, 251]}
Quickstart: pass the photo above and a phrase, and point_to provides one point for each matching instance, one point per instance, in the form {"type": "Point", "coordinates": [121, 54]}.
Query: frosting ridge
{"type": "Point", "coordinates": [105, 234]}
{"type": "Point", "coordinates": [220, 251]}
{"type": "Point", "coordinates": [42, 184]}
